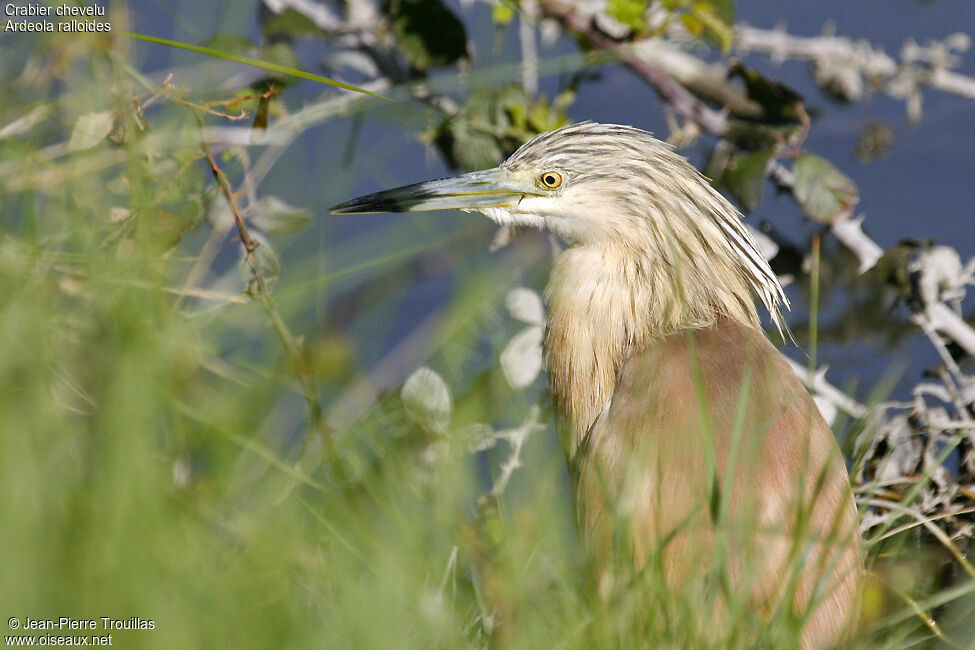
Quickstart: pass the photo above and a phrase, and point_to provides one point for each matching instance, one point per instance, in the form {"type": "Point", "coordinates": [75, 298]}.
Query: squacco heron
{"type": "Point", "coordinates": [685, 429]}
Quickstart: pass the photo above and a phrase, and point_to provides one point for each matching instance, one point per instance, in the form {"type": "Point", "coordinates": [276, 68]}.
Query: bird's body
{"type": "Point", "coordinates": [745, 456]}
{"type": "Point", "coordinates": [687, 433]}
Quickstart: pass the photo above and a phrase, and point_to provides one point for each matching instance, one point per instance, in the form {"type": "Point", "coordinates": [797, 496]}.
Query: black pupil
{"type": "Point", "coordinates": [549, 179]}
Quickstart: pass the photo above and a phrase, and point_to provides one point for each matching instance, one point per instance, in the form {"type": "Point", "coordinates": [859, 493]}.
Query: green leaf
{"type": "Point", "coordinates": [233, 43]}
{"type": "Point", "coordinates": [725, 10]}
{"type": "Point", "coordinates": [473, 138]}
{"type": "Point", "coordinates": [825, 193]}
{"type": "Point", "coordinates": [628, 12]}
{"type": "Point", "coordinates": [493, 122]}
{"type": "Point", "coordinates": [90, 129]}
{"type": "Point", "coordinates": [430, 35]}
{"type": "Point", "coordinates": [427, 400]}
{"type": "Point", "coordinates": [273, 67]}
{"type": "Point", "coordinates": [276, 217]}
{"type": "Point", "coordinates": [779, 102]}
{"type": "Point", "coordinates": [502, 13]}
{"type": "Point", "coordinates": [744, 177]}
{"type": "Point", "coordinates": [715, 27]}
{"type": "Point", "coordinates": [692, 24]}
{"type": "Point", "coordinates": [471, 147]}
{"type": "Point", "coordinates": [280, 54]}
{"type": "Point", "coordinates": [290, 23]}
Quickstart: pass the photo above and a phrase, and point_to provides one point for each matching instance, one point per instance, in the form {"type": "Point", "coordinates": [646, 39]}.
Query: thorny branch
{"type": "Point", "coordinates": [845, 67]}
{"type": "Point", "coordinates": [516, 439]}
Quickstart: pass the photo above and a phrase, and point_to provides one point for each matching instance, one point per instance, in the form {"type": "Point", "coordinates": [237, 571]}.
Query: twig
{"type": "Point", "coordinates": [850, 233]}
{"type": "Point", "coordinates": [926, 522]}
{"type": "Point", "coordinates": [516, 438]}
{"type": "Point", "coordinates": [941, 318]}
{"type": "Point", "coordinates": [845, 56]}
{"type": "Point", "coordinates": [817, 382]}
{"type": "Point", "coordinates": [529, 49]}
{"type": "Point", "coordinates": [287, 339]}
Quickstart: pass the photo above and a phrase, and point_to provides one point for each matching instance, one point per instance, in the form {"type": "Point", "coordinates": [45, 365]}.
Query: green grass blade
{"type": "Point", "coordinates": [273, 67]}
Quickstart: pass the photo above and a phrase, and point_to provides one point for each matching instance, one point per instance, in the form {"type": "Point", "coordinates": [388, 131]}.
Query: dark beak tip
{"type": "Point", "coordinates": [378, 203]}
{"type": "Point", "coordinates": [356, 206]}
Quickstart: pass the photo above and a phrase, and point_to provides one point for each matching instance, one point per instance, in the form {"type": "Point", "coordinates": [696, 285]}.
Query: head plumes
{"type": "Point", "coordinates": [622, 188]}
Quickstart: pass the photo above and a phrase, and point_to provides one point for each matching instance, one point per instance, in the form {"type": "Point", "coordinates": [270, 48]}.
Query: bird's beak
{"type": "Point", "coordinates": [490, 188]}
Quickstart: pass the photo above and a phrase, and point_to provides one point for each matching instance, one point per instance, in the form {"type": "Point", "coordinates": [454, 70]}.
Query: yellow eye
{"type": "Point", "coordinates": [551, 180]}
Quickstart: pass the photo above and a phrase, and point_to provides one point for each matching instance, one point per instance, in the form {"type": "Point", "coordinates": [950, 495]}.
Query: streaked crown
{"type": "Point", "coordinates": [620, 182]}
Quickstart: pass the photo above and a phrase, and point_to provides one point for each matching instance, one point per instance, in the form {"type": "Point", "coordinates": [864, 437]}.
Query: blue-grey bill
{"type": "Point", "coordinates": [489, 188]}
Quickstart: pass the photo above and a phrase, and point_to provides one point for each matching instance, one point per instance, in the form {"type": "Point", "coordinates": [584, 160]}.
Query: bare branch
{"type": "Point", "coordinates": [817, 383]}
{"type": "Point", "coordinates": [261, 290]}
{"type": "Point", "coordinates": [846, 66]}
{"type": "Point", "coordinates": [682, 100]}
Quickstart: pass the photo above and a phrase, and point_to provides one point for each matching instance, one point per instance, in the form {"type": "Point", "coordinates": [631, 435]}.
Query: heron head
{"type": "Point", "coordinates": [618, 187]}
{"type": "Point", "coordinates": [582, 181]}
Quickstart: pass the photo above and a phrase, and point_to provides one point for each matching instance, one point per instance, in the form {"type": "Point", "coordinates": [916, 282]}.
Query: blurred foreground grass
{"type": "Point", "coordinates": [156, 458]}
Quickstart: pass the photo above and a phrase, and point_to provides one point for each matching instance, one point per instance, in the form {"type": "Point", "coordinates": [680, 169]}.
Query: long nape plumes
{"type": "Point", "coordinates": [629, 192]}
